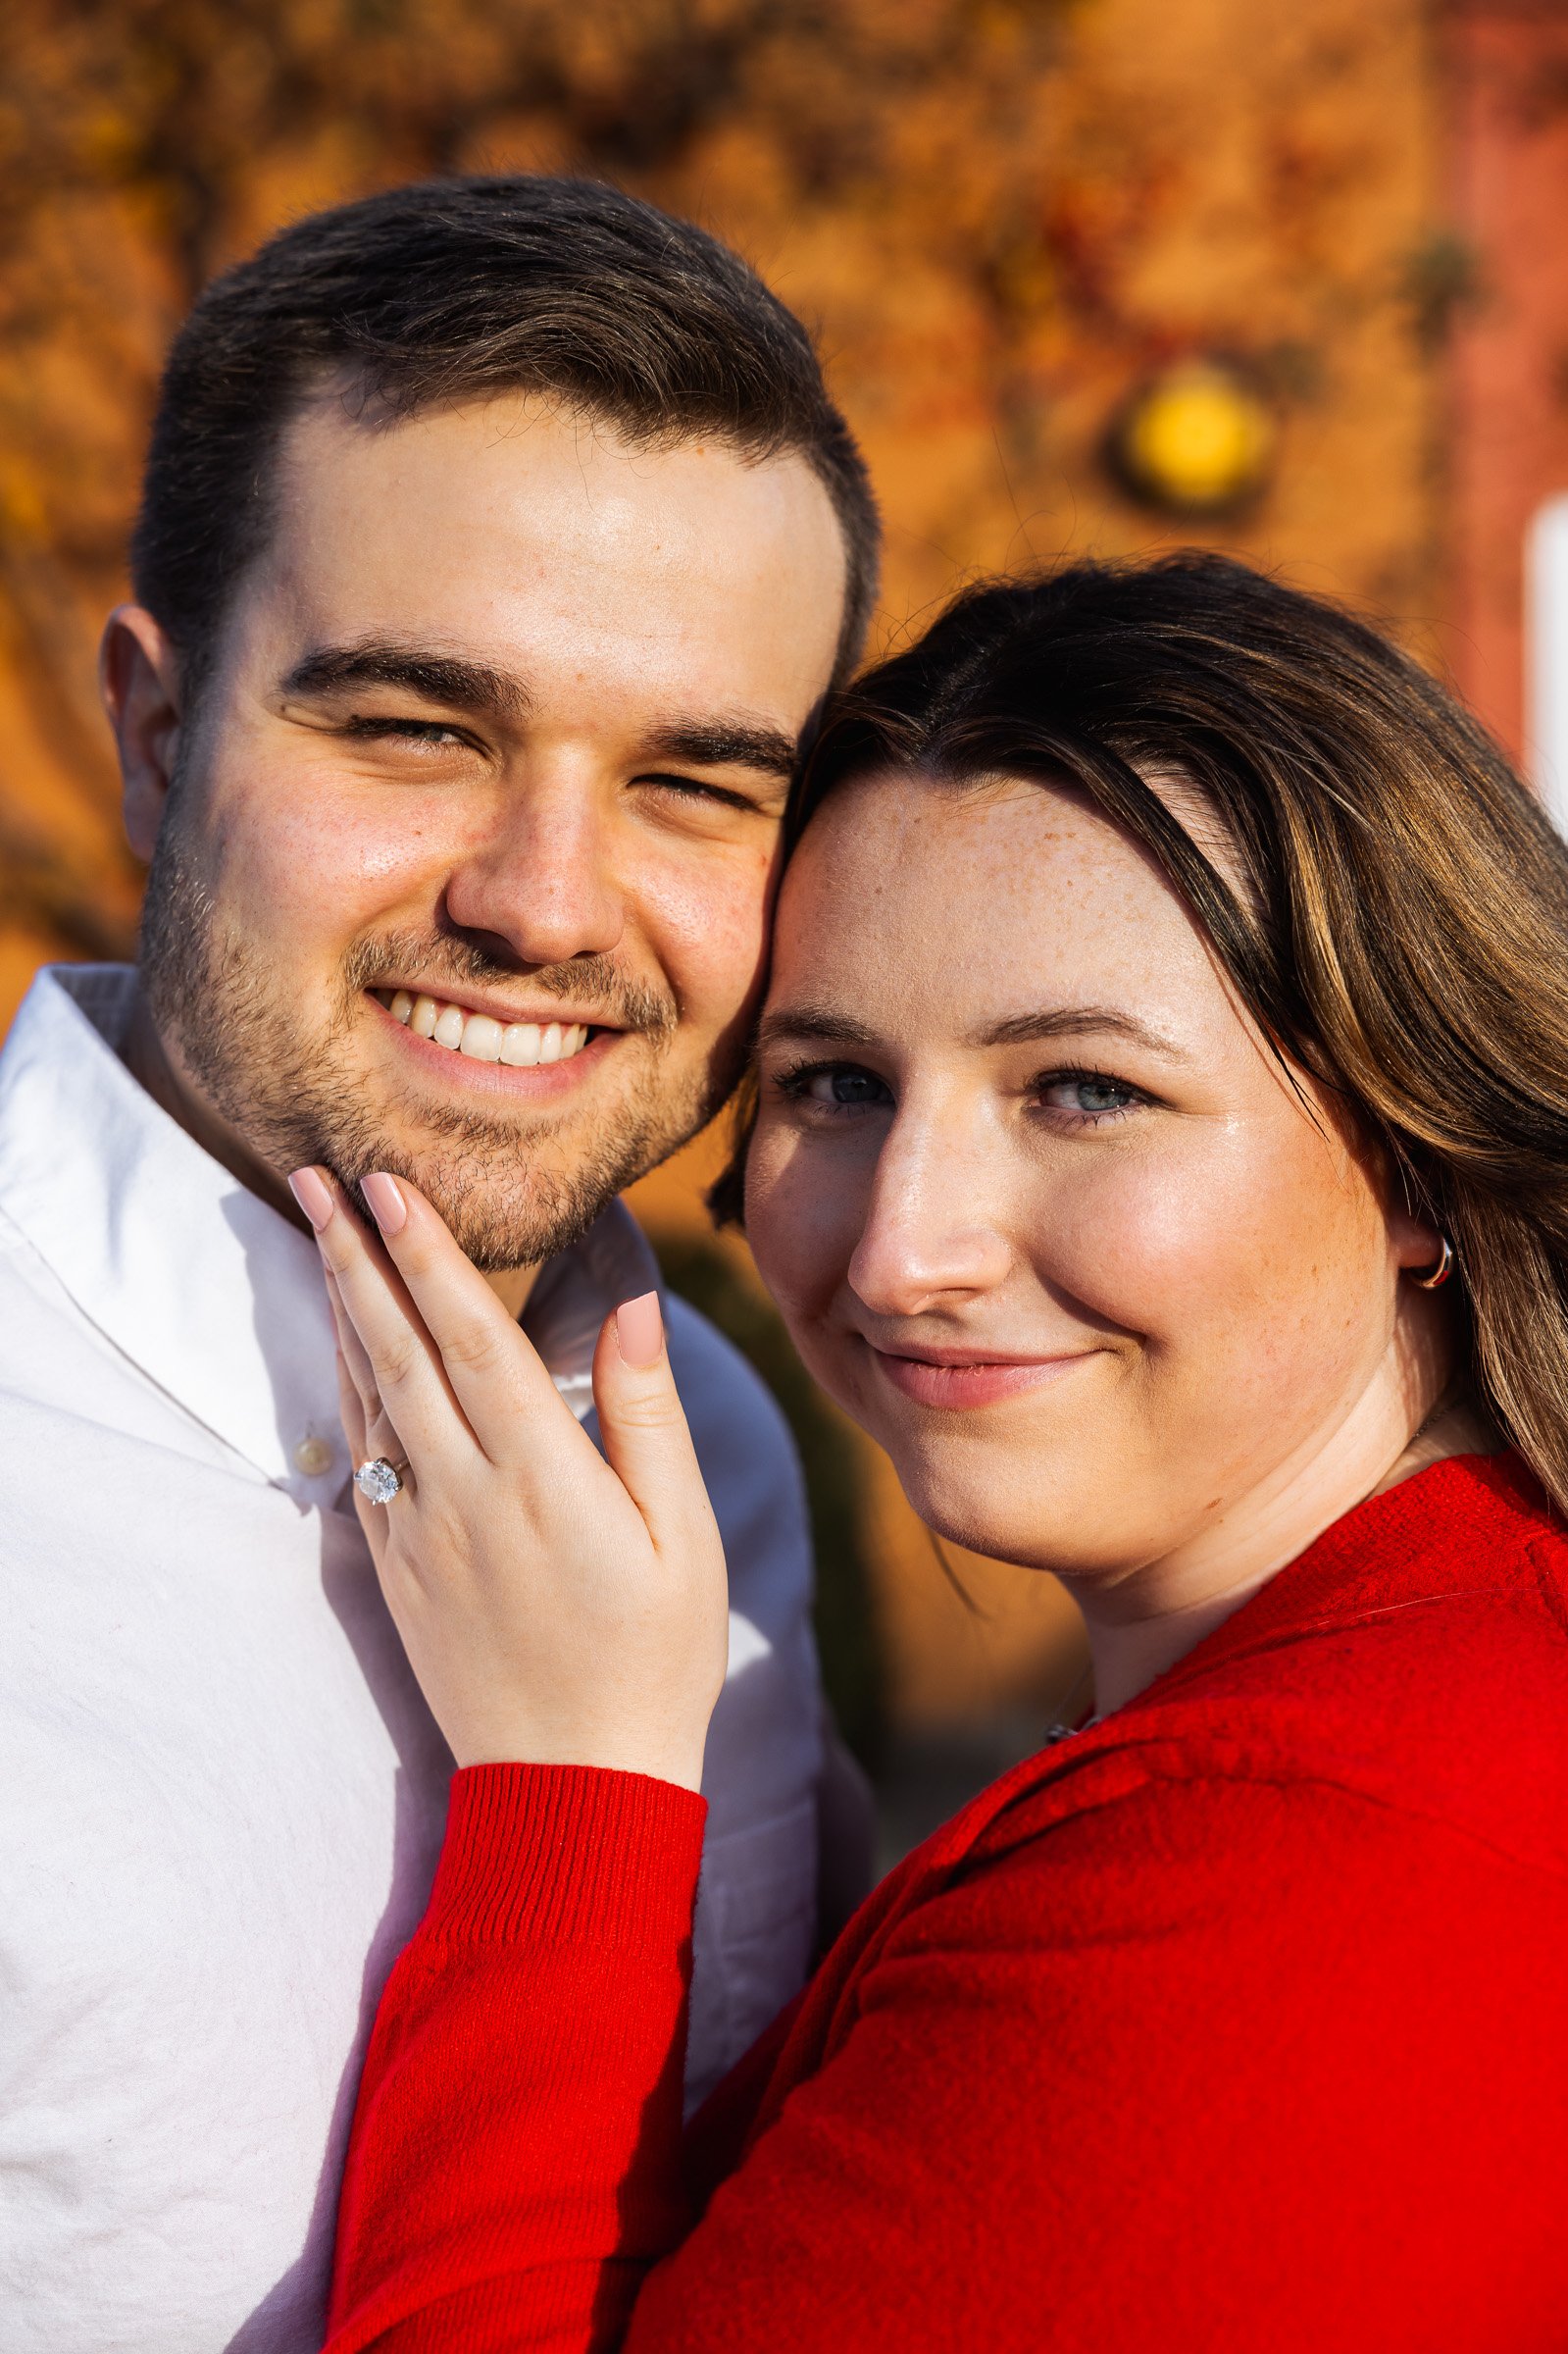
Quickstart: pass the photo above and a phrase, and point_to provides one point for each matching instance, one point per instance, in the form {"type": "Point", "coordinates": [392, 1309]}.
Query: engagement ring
{"type": "Point", "coordinates": [381, 1479]}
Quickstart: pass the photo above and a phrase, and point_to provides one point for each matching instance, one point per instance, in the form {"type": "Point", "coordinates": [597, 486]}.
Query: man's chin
{"type": "Point", "coordinates": [274, 1084]}
{"type": "Point", "coordinates": [511, 1208]}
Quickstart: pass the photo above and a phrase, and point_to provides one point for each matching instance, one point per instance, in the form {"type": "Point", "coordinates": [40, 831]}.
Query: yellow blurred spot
{"type": "Point", "coordinates": [1198, 437]}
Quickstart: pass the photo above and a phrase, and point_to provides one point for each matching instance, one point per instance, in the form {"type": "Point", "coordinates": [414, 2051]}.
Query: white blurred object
{"type": "Point", "coordinates": [1547, 654]}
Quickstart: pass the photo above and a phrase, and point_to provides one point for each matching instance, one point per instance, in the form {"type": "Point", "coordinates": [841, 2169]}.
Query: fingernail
{"type": "Point", "coordinates": [385, 1197]}
{"type": "Point", "coordinates": [640, 1331]}
{"type": "Point", "coordinates": [311, 1191]}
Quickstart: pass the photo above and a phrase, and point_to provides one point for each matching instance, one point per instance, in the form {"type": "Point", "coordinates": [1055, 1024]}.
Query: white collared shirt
{"type": "Point", "coordinates": [222, 1794]}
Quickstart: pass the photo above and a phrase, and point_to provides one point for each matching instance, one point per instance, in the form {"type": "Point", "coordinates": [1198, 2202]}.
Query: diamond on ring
{"type": "Point", "coordinates": [379, 1479]}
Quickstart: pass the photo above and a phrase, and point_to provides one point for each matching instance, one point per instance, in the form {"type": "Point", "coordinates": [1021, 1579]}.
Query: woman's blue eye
{"type": "Point", "coordinates": [1086, 1092]}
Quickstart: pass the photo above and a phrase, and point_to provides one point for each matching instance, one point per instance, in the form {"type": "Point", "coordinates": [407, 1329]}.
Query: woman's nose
{"type": "Point", "coordinates": [544, 881]}
{"type": "Point", "coordinates": [928, 1235]}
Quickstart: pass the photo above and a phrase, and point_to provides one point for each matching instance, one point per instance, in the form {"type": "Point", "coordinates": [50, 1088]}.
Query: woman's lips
{"type": "Point", "coordinates": [970, 1382]}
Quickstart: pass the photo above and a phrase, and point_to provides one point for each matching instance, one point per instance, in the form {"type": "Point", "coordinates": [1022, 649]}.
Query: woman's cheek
{"type": "Point", "coordinates": [773, 1196]}
{"type": "Point", "coordinates": [804, 1212]}
{"type": "Point", "coordinates": [1231, 1260]}
{"type": "Point", "coordinates": [1149, 1243]}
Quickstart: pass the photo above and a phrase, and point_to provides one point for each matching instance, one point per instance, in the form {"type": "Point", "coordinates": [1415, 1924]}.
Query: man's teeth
{"type": "Point", "coordinates": [480, 1037]}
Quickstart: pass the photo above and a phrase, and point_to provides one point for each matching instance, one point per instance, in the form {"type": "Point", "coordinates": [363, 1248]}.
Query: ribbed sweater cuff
{"type": "Point", "coordinates": [567, 1854]}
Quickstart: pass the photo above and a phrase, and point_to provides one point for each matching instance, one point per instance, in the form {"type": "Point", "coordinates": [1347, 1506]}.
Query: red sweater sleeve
{"type": "Point", "coordinates": [514, 2165]}
{"type": "Point", "coordinates": [1214, 2062]}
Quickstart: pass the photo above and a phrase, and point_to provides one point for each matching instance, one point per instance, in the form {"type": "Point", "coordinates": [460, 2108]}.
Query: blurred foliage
{"type": "Point", "coordinates": [144, 143]}
{"type": "Point", "coordinates": [848, 1635]}
{"type": "Point", "coordinates": [1442, 281]}
{"type": "Point", "coordinates": [178, 103]}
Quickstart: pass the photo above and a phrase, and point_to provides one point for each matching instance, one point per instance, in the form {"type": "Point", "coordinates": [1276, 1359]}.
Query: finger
{"type": "Point", "coordinates": [371, 1517]}
{"type": "Point", "coordinates": [493, 1369]}
{"type": "Point", "coordinates": [367, 1426]}
{"type": "Point", "coordinates": [377, 1433]}
{"type": "Point", "coordinates": [642, 1423]}
{"type": "Point", "coordinates": [351, 1349]}
{"type": "Point", "coordinates": [403, 1372]}
{"type": "Point", "coordinates": [351, 1413]}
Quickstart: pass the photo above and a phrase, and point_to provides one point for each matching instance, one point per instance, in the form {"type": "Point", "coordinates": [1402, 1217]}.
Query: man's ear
{"type": "Point", "coordinates": [138, 676]}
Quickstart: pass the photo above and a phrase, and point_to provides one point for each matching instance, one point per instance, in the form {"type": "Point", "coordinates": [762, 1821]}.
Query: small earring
{"type": "Point", "coordinates": [1436, 1276]}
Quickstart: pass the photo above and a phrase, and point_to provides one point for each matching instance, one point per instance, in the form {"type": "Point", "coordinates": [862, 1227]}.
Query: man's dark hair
{"type": "Point", "coordinates": [455, 290]}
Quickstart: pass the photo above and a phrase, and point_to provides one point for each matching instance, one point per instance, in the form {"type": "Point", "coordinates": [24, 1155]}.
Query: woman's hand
{"type": "Point", "coordinates": [556, 1607]}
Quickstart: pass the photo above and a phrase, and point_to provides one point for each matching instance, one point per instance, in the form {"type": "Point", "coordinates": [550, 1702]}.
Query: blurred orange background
{"type": "Point", "coordinates": [1089, 275]}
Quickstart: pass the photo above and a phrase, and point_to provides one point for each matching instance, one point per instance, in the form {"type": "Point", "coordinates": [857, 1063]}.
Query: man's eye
{"type": "Point", "coordinates": [429, 735]}
{"type": "Point", "coordinates": [836, 1087]}
{"type": "Point", "coordinates": [693, 789]}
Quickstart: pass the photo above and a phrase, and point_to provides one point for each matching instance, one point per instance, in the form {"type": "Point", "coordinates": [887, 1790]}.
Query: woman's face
{"type": "Point", "coordinates": [1040, 1210]}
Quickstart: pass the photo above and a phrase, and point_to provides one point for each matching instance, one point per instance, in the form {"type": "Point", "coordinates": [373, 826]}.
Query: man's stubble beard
{"type": "Point", "coordinates": [215, 1001]}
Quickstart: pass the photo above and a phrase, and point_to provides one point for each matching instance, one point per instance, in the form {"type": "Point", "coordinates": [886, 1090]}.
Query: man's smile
{"type": "Point", "coordinates": [482, 1037]}
{"type": "Point", "coordinates": [465, 1045]}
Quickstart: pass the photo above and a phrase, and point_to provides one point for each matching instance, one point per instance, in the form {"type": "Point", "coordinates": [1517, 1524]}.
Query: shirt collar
{"type": "Point", "coordinates": [203, 1286]}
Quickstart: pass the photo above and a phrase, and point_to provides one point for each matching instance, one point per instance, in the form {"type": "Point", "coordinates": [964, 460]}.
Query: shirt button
{"type": "Point", "coordinates": [313, 1457]}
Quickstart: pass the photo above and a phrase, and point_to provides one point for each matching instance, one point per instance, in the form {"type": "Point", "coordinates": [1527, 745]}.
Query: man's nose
{"type": "Point", "coordinates": [545, 881]}
{"type": "Point", "coordinates": [930, 1235]}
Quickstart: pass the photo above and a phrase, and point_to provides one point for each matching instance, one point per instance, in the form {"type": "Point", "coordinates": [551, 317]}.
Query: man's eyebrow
{"type": "Point", "coordinates": [461, 685]}
{"type": "Point", "coordinates": [447, 679]}
{"type": "Point", "coordinates": [726, 744]}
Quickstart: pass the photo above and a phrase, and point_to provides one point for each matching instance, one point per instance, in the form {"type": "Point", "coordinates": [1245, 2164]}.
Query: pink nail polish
{"type": "Point", "coordinates": [312, 1196]}
{"type": "Point", "coordinates": [640, 1331]}
{"type": "Point", "coordinates": [385, 1197]}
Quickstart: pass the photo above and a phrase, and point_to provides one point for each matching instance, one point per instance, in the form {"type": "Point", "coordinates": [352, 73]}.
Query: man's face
{"type": "Point", "coordinates": [496, 746]}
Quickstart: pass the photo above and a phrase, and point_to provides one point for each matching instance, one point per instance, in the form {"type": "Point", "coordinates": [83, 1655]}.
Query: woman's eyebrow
{"type": "Point", "coordinates": [1073, 1021]}
{"type": "Point", "coordinates": [825, 1025]}
{"type": "Point", "coordinates": [829, 1027]}
{"type": "Point", "coordinates": [819, 1023]}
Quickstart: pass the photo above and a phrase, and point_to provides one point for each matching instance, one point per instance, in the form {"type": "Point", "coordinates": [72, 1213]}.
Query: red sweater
{"type": "Point", "coordinates": [1239, 2021]}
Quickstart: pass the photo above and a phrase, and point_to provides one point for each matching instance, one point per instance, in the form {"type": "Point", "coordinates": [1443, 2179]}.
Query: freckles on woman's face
{"type": "Point", "coordinates": [1039, 1206]}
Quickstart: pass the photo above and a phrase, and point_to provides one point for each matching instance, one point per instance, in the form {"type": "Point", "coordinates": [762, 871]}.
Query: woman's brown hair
{"type": "Point", "coordinates": [1401, 929]}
